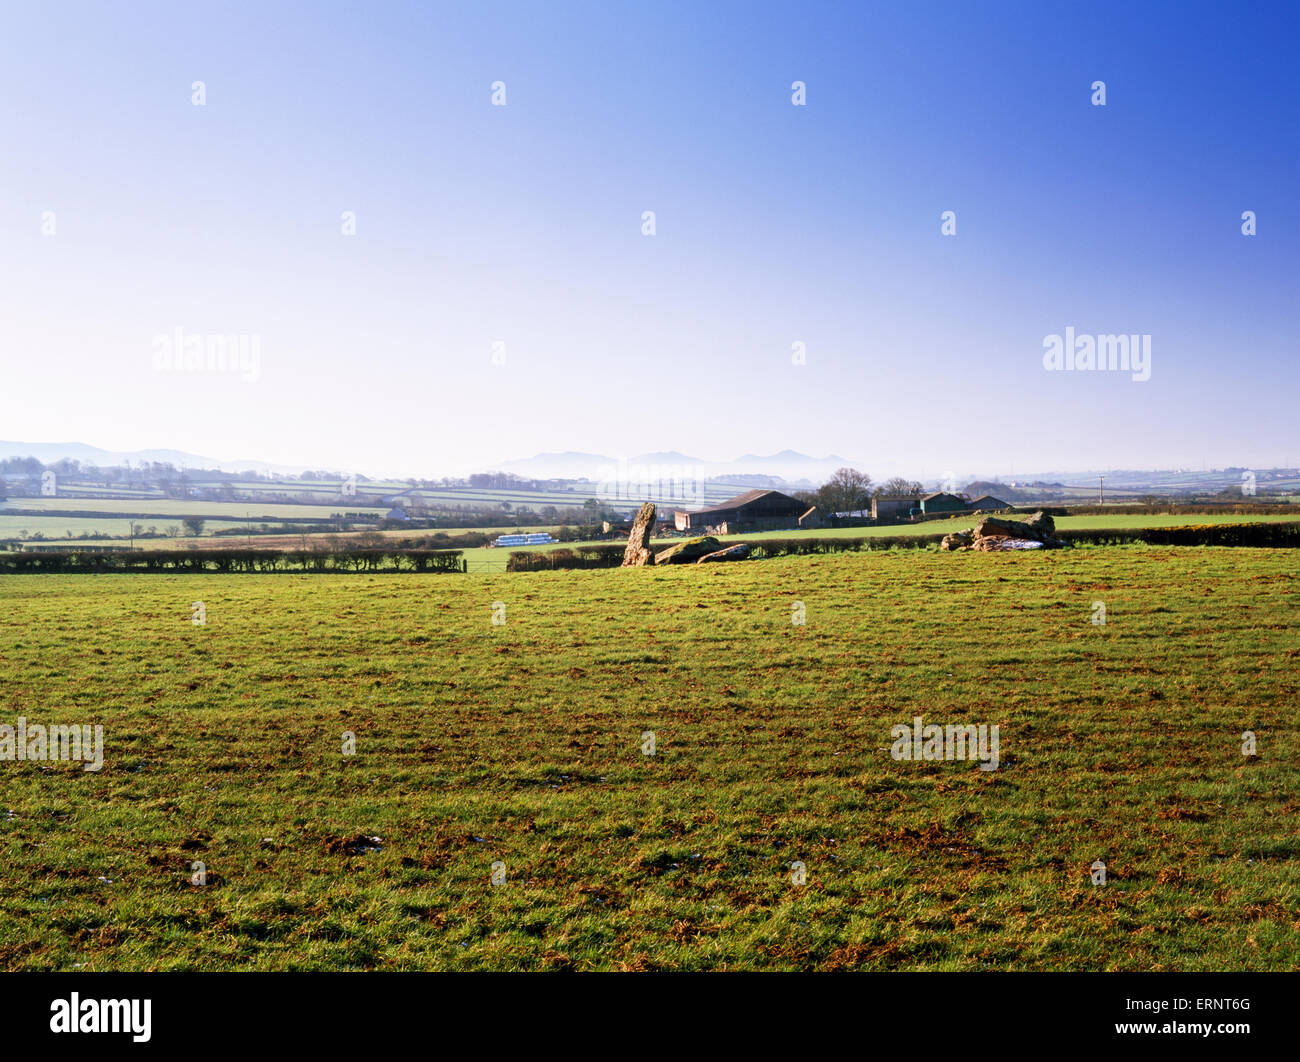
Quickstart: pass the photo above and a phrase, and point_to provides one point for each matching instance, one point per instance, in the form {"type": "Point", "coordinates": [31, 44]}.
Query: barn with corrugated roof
{"type": "Point", "coordinates": [755, 510]}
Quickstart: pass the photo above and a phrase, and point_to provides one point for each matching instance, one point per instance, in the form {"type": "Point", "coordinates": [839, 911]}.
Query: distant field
{"type": "Point", "coordinates": [286, 539]}
{"type": "Point", "coordinates": [161, 507]}
{"type": "Point", "coordinates": [1086, 523]}
{"type": "Point", "coordinates": [162, 513]}
{"type": "Point", "coordinates": [1065, 523]}
{"type": "Point", "coordinates": [483, 496]}
{"type": "Point", "coordinates": [520, 745]}
{"type": "Point", "coordinates": [57, 527]}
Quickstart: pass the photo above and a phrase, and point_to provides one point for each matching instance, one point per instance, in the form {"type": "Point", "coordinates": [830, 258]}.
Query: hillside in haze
{"type": "Point", "coordinates": [789, 465]}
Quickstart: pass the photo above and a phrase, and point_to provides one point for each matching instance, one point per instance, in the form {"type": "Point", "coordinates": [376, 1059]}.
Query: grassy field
{"type": "Point", "coordinates": [520, 744]}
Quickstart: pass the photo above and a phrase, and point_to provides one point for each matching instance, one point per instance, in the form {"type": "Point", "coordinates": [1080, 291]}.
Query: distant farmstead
{"type": "Point", "coordinates": [755, 510]}
{"type": "Point", "coordinates": [894, 506]}
{"type": "Point", "coordinates": [905, 506]}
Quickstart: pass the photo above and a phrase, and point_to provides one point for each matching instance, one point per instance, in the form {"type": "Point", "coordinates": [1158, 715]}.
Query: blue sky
{"type": "Point", "coordinates": [775, 224]}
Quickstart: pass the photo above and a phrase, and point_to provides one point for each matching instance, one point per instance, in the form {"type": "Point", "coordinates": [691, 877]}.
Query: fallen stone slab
{"type": "Point", "coordinates": [956, 540]}
{"type": "Point", "coordinates": [686, 552]}
{"type": "Point", "coordinates": [992, 526]}
{"type": "Point", "coordinates": [732, 553]}
{"type": "Point", "coordinates": [1038, 528]}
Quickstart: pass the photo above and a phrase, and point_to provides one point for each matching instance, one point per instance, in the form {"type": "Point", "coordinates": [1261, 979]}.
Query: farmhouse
{"type": "Point", "coordinates": [755, 510]}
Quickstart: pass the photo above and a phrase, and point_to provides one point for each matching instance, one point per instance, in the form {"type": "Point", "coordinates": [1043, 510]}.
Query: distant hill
{"type": "Point", "coordinates": [569, 464]}
{"type": "Point", "coordinates": [75, 451]}
{"type": "Point", "coordinates": [788, 465]}
{"type": "Point", "coordinates": [791, 466]}
{"type": "Point", "coordinates": [1001, 491]}
{"type": "Point", "coordinates": [48, 453]}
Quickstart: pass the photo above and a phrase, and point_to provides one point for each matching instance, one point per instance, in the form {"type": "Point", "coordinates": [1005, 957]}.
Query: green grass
{"type": "Point", "coordinates": [520, 743]}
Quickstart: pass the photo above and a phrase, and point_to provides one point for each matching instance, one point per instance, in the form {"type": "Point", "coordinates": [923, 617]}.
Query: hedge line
{"type": "Point", "coordinates": [1266, 535]}
{"type": "Point", "coordinates": [1263, 535]}
{"type": "Point", "coordinates": [610, 556]}
{"type": "Point", "coordinates": [789, 547]}
{"type": "Point", "coordinates": [1280, 535]}
{"type": "Point", "coordinates": [1235, 508]}
{"type": "Point", "coordinates": [235, 560]}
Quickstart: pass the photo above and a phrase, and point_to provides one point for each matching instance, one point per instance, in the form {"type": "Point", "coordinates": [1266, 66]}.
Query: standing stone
{"type": "Point", "coordinates": [638, 552]}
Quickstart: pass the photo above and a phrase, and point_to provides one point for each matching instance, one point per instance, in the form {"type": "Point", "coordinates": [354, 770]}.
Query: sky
{"type": "Point", "coordinates": [500, 297]}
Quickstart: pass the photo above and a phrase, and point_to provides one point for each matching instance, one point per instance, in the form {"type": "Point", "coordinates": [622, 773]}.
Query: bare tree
{"type": "Point", "coordinates": [898, 486]}
{"type": "Point", "coordinates": [846, 490]}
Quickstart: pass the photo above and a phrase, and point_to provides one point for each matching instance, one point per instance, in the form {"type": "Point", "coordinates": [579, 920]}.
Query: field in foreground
{"type": "Point", "coordinates": [520, 744]}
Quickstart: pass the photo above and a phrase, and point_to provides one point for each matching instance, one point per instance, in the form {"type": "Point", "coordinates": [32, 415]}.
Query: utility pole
{"type": "Point", "coordinates": [1101, 488]}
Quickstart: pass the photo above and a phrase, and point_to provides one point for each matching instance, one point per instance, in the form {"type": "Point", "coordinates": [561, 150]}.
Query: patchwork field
{"type": "Point", "coordinates": [112, 530]}
{"type": "Point", "coordinates": [520, 744]}
{"type": "Point", "coordinates": [169, 507]}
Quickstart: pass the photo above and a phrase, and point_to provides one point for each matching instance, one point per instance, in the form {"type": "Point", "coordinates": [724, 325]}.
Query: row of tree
{"type": "Point", "coordinates": [849, 490]}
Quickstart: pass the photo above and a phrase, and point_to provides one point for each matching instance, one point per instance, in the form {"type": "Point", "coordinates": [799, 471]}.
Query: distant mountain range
{"type": "Point", "coordinates": [789, 465]}
{"type": "Point", "coordinates": [94, 455]}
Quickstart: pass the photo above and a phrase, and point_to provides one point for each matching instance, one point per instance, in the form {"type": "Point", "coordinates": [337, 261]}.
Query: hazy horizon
{"type": "Point", "coordinates": [783, 464]}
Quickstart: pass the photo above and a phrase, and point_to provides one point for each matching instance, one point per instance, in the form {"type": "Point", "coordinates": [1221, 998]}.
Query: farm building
{"type": "Point", "coordinates": [905, 506]}
{"type": "Point", "coordinates": [755, 510]}
{"type": "Point", "coordinates": [894, 506]}
{"type": "Point", "coordinates": [988, 504]}
{"type": "Point", "coordinates": [397, 514]}
{"type": "Point", "coordinates": [939, 502]}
